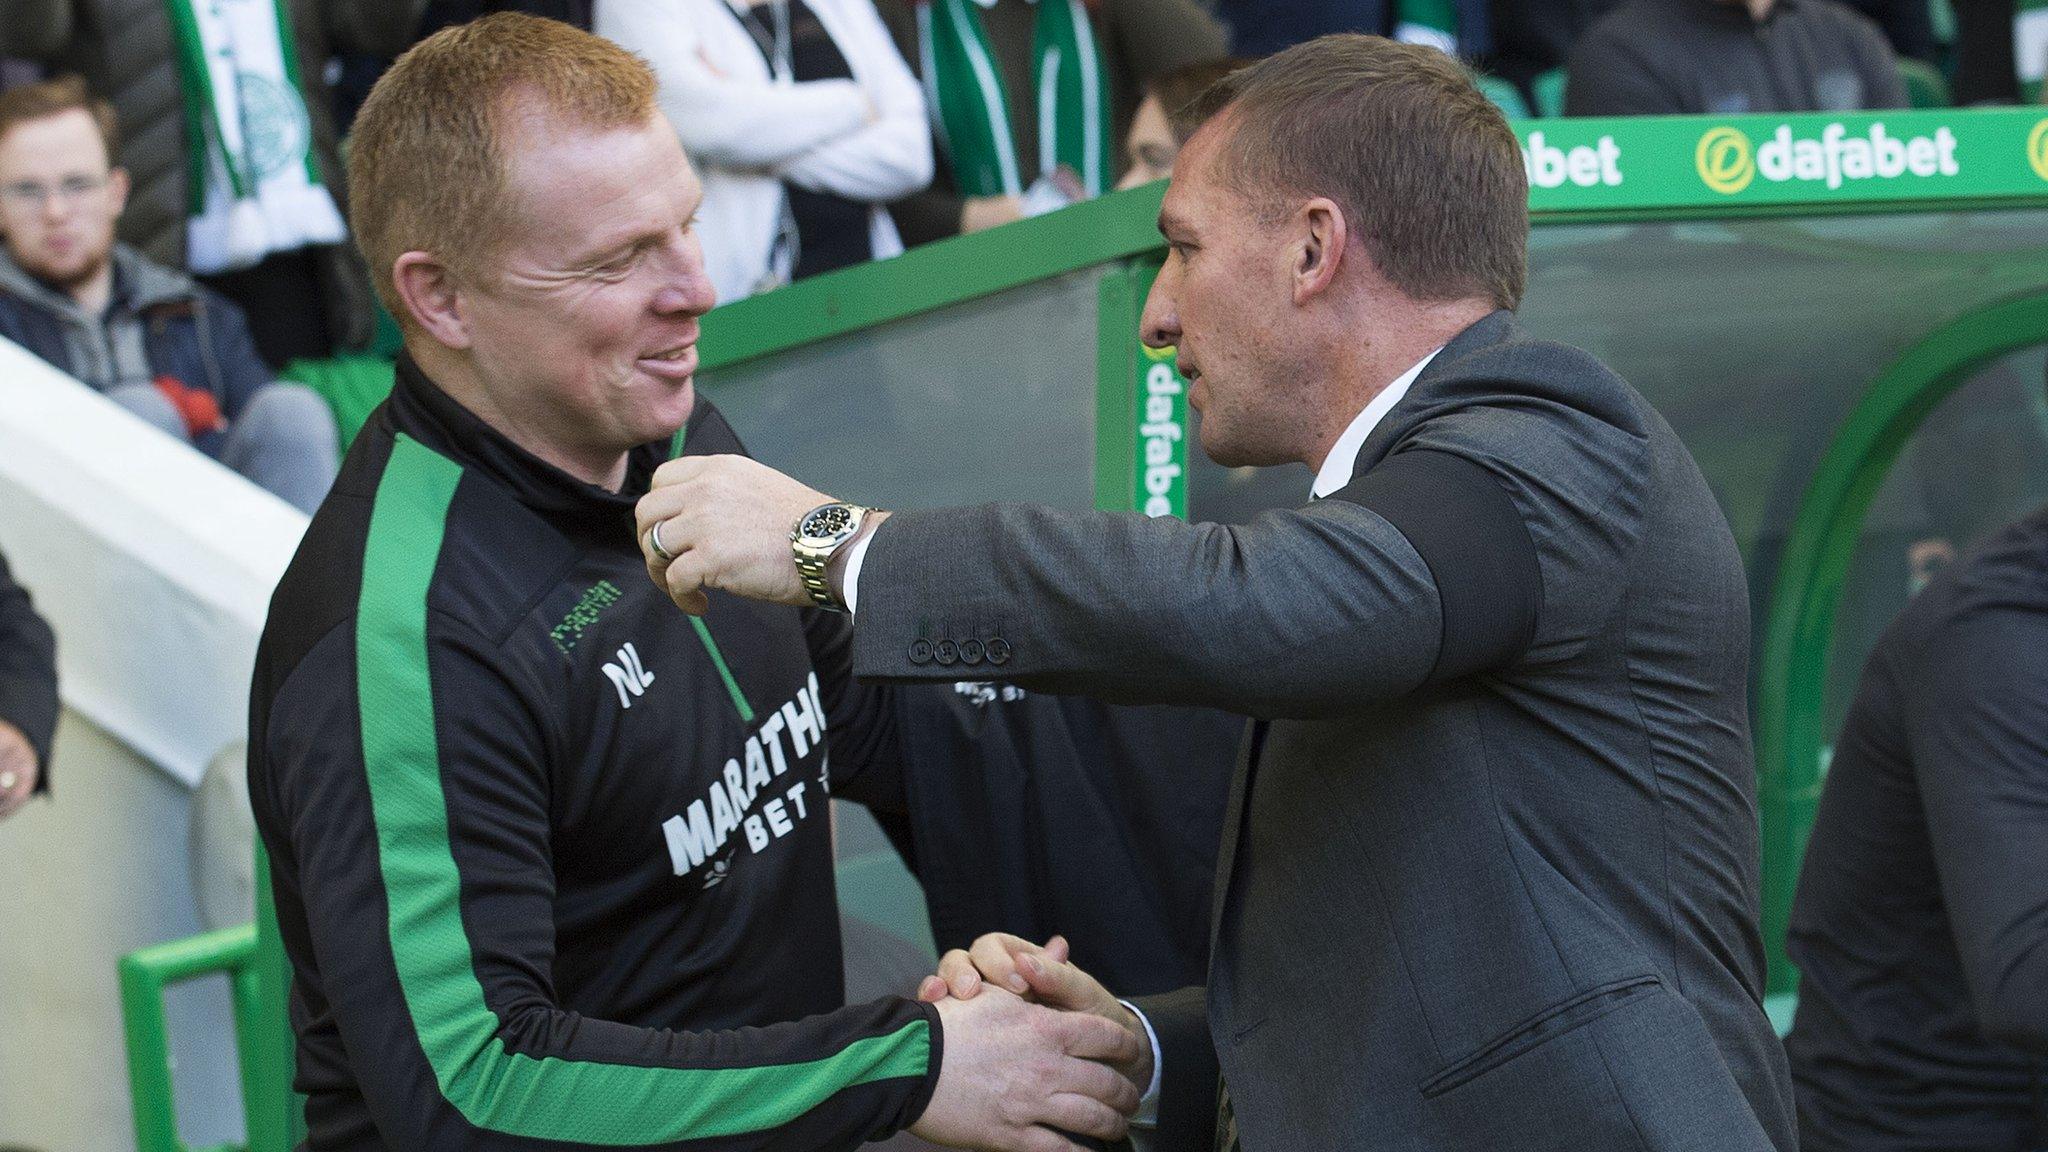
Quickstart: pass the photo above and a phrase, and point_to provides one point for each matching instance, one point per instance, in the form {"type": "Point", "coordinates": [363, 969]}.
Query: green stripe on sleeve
{"type": "Point", "coordinates": [732, 684]}
{"type": "Point", "coordinates": [545, 1099]}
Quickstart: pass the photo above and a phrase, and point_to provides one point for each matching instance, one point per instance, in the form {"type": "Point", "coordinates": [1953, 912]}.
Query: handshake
{"type": "Point", "coordinates": [1033, 1047]}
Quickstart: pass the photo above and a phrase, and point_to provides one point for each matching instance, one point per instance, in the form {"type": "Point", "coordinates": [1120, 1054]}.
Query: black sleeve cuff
{"type": "Point", "coordinates": [1477, 546]}
{"type": "Point", "coordinates": [31, 706]}
{"type": "Point", "coordinates": [913, 1108]}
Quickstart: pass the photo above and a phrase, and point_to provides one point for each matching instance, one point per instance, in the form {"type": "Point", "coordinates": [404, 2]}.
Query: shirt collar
{"type": "Point", "coordinates": [420, 409]}
{"type": "Point", "coordinates": [1337, 466]}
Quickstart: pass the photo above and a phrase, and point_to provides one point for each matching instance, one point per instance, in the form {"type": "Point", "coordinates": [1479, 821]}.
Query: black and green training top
{"type": "Point", "coordinates": [552, 860]}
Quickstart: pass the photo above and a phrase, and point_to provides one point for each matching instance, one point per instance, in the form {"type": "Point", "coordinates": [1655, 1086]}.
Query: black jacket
{"type": "Point", "coordinates": [1667, 57]}
{"type": "Point", "coordinates": [1921, 922]}
{"type": "Point", "coordinates": [553, 860]}
{"type": "Point", "coordinates": [1034, 814]}
{"type": "Point", "coordinates": [28, 671]}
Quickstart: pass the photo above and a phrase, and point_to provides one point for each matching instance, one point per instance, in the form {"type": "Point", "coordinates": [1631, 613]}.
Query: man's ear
{"type": "Point", "coordinates": [117, 191]}
{"type": "Point", "coordinates": [1322, 235]}
{"type": "Point", "coordinates": [429, 291]}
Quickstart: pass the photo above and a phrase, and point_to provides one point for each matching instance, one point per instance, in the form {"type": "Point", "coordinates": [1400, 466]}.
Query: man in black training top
{"type": "Point", "coordinates": [552, 860]}
{"type": "Point", "coordinates": [1919, 926]}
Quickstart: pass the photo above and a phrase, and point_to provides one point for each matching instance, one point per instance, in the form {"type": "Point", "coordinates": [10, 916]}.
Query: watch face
{"type": "Point", "coordinates": [826, 523]}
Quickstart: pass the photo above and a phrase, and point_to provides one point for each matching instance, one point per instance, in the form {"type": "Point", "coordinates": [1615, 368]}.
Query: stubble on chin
{"type": "Point", "coordinates": [69, 282]}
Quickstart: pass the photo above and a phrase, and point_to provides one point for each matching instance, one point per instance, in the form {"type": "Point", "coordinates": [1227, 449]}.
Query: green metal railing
{"type": "Point", "coordinates": [145, 975]}
{"type": "Point", "coordinates": [1791, 737]}
{"type": "Point", "coordinates": [252, 957]}
{"type": "Point", "coordinates": [1662, 169]}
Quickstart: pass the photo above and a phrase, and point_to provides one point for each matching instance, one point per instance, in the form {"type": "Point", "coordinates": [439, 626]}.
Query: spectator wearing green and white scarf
{"type": "Point", "coordinates": [1066, 75]}
{"type": "Point", "coordinates": [302, 301]}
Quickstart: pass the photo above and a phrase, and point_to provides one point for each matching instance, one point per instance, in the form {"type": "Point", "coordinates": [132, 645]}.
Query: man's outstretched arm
{"type": "Point", "coordinates": [1262, 619]}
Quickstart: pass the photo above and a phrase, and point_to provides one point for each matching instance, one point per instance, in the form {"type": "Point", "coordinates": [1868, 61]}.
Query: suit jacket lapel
{"type": "Point", "coordinates": [1491, 329]}
{"type": "Point", "coordinates": [1233, 824]}
{"type": "Point", "coordinates": [1494, 328]}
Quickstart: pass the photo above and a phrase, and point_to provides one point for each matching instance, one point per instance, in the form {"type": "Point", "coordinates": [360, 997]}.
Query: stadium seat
{"type": "Point", "coordinates": [1548, 89]}
{"type": "Point", "coordinates": [1925, 86]}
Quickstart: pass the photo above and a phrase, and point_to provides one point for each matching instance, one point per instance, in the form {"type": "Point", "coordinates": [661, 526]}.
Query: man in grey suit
{"type": "Point", "coordinates": [1490, 874]}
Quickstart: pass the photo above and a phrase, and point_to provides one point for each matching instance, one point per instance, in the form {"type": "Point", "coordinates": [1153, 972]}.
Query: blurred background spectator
{"type": "Point", "coordinates": [1260, 27]}
{"type": "Point", "coordinates": [198, 177]}
{"type": "Point", "coordinates": [2001, 51]}
{"type": "Point", "coordinates": [1005, 154]}
{"type": "Point", "coordinates": [1164, 121]}
{"type": "Point", "coordinates": [351, 73]}
{"type": "Point", "coordinates": [1918, 927]}
{"type": "Point", "coordinates": [174, 353]}
{"type": "Point", "coordinates": [28, 696]}
{"type": "Point", "coordinates": [1531, 39]}
{"type": "Point", "coordinates": [802, 120]}
{"type": "Point", "coordinates": [1660, 57]}
{"type": "Point", "coordinates": [1908, 25]}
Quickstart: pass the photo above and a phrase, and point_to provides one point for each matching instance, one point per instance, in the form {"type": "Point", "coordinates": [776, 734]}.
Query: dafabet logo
{"type": "Point", "coordinates": [1728, 161]}
{"type": "Point", "coordinates": [1725, 162]}
{"type": "Point", "coordinates": [2037, 149]}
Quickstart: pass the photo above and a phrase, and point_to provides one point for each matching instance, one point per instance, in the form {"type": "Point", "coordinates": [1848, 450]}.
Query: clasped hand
{"type": "Point", "coordinates": [1008, 1091]}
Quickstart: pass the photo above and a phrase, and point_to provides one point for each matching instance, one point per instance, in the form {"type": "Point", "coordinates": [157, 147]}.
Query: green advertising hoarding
{"type": "Point", "coordinates": [1666, 164]}
{"type": "Point", "coordinates": [1142, 419]}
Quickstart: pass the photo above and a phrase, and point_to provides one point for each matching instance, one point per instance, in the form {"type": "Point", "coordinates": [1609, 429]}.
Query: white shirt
{"type": "Point", "coordinates": [1343, 458]}
{"type": "Point", "coordinates": [1331, 477]}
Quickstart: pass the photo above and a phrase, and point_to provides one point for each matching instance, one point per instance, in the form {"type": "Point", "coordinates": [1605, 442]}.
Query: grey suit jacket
{"type": "Point", "coordinates": [1490, 874]}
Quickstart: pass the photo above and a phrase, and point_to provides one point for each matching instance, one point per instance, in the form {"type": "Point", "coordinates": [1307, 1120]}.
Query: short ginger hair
{"type": "Point", "coordinates": [427, 163]}
{"type": "Point", "coordinates": [19, 106]}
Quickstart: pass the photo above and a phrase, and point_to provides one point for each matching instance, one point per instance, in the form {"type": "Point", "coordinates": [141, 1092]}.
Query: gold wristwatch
{"type": "Point", "coordinates": [821, 532]}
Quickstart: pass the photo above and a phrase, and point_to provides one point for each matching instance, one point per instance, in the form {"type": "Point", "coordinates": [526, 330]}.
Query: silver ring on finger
{"type": "Point", "coordinates": [654, 544]}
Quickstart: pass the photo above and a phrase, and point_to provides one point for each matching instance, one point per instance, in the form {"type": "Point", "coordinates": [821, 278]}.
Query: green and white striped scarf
{"type": "Point", "coordinates": [971, 106]}
{"type": "Point", "coordinates": [255, 184]}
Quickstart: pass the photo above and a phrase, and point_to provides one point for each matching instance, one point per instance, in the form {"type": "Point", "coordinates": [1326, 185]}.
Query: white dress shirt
{"type": "Point", "coordinates": [1343, 458]}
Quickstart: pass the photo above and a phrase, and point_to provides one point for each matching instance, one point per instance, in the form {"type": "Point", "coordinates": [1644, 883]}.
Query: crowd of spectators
{"type": "Point", "coordinates": [832, 132]}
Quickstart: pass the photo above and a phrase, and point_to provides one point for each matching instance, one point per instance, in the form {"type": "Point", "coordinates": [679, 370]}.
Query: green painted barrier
{"type": "Point", "coordinates": [144, 975]}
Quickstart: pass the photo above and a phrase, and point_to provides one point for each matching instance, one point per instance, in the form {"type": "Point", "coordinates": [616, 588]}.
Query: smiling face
{"type": "Point", "coordinates": [1225, 299]}
{"type": "Point", "coordinates": [59, 198]}
{"type": "Point", "coordinates": [582, 324]}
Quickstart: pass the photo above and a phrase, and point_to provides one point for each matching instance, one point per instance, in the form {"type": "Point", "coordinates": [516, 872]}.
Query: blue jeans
{"type": "Point", "coordinates": [284, 441]}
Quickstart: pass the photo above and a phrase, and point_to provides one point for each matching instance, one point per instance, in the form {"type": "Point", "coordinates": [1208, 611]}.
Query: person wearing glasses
{"type": "Point", "coordinates": [152, 340]}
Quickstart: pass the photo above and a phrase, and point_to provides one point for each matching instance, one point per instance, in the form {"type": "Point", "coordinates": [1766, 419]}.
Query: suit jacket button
{"type": "Point", "coordinates": [920, 652]}
{"type": "Point", "coordinates": [946, 653]}
{"type": "Point", "coordinates": [970, 651]}
{"type": "Point", "coordinates": [998, 650]}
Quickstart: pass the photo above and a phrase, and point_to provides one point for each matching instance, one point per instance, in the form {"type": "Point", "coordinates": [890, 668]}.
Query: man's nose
{"type": "Point", "coordinates": [1160, 325]}
{"type": "Point", "coordinates": [687, 287]}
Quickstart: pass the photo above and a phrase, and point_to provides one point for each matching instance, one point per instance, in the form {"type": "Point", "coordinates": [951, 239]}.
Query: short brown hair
{"type": "Point", "coordinates": [426, 158]}
{"type": "Point", "coordinates": [1425, 168]}
{"type": "Point", "coordinates": [50, 98]}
